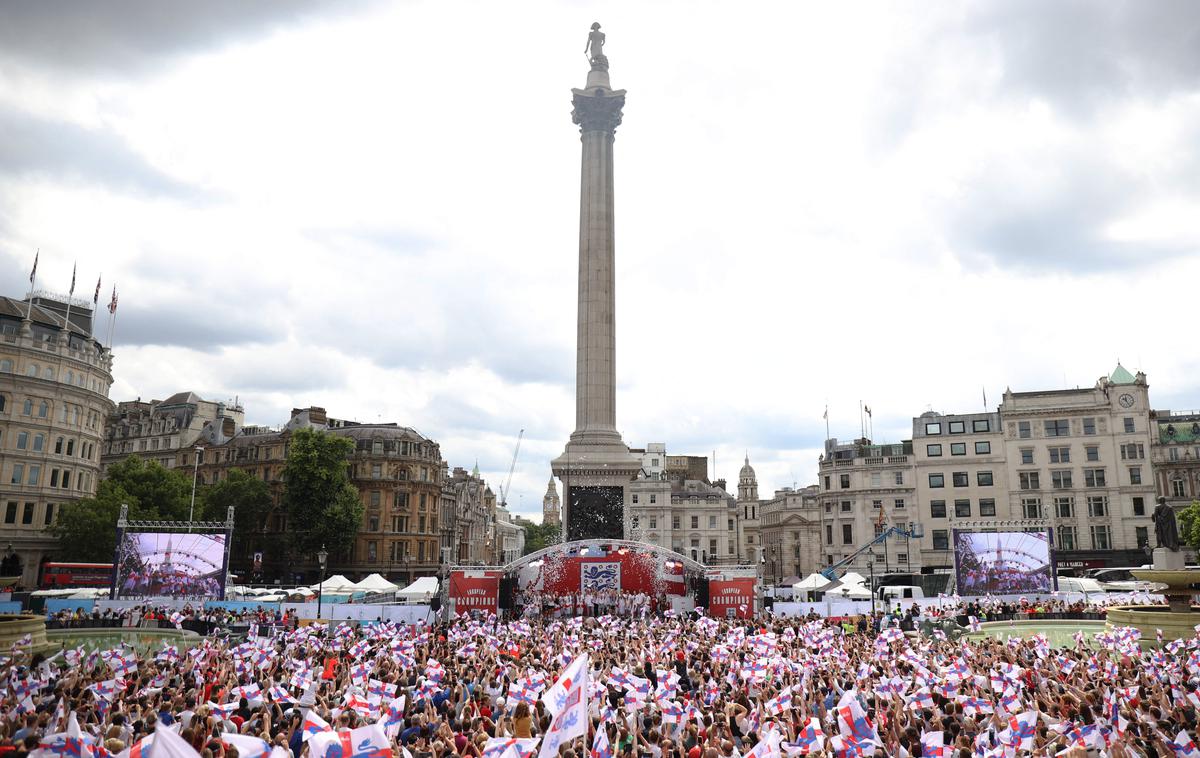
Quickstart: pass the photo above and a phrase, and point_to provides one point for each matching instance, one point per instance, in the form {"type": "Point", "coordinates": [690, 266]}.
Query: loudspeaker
{"type": "Point", "coordinates": [435, 604]}
{"type": "Point", "coordinates": [508, 588]}
{"type": "Point", "coordinates": [702, 593]}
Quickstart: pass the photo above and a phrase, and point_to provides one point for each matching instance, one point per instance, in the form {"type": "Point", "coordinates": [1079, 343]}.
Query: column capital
{"type": "Point", "coordinates": [598, 110]}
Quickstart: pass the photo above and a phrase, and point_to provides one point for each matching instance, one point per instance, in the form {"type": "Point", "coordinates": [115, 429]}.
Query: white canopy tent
{"type": "Point", "coordinates": [376, 583]}
{"type": "Point", "coordinates": [336, 583]}
{"type": "Point", "coordinates": [422, 588]}
{"type": "Point", "coordinates": [851, 591]}
{"type": "Point", "coordinates": [811, 583]}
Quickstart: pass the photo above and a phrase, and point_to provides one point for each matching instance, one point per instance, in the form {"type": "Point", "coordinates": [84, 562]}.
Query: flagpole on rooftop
{"type": "Point", "coordinates": [32, 286]}
{"type": "Point", "coordinates": [71, 294]}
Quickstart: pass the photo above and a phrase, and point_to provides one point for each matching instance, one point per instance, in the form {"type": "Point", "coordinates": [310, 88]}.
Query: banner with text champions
{"type": "Point", "coordinates": [731, 598]}
{"type": "Point", "coordinates": [474, 591]}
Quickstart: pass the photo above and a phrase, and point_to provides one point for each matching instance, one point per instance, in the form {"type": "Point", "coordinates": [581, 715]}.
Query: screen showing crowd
{"type": "Point", "coordinates": [1003, 563]}
{"type": "Point", "coordinates": [171, 564]}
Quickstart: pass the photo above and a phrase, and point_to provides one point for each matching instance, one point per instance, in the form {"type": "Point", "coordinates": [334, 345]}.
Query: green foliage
{"type": "Point", "coordinates": [251, 500]}
{"type": "Point", "coordinates": [323, 507]}
{"type": "Point", "coordinates": [1189, 525]}
{"type": "Point", "coordinates": [87, 528]}
{"type": "Point", "coordinates": [538, 536]}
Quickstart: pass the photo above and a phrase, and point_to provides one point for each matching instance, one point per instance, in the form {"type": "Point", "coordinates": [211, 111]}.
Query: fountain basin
{"type": "Point", "coordinates": [1149, 619]}
{"type": "Point", "coordinates": [14, 627]}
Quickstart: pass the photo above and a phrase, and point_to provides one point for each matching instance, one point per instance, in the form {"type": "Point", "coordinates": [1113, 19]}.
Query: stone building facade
{"type": "Point", "coordinates": [551, 504]}
{"type": "Point", "coordinates": [863, 489]}
{"type": "Point", "coordinates": [1175, 456]}
{"type": "Point", "coordinates": [791, 535]}
{"type": "Point", "coordinates": [55, 378]}
{"type": "Point", "coordinates": [156, 430]}
{"type": "Point", "coordinates": [749, 538]}
{"type": "Point", "coordinates": [471, 507]}
{"type": "Point", "coordinates": [396, 470]}
{"type": "Point", "coordinates": [691, 517]}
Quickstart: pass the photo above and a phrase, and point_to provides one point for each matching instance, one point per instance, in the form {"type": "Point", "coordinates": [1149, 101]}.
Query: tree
{"type": "Point", "coordinates": [252, 504]}
{"type": "Point", "coordinates": [323, 508]}
{"type": "Point", "coordinates": [87, 528]}
{"type": "Point", "coordinates": [1189, 525]}
{"type": "Point", "coordinates": [538, 536]}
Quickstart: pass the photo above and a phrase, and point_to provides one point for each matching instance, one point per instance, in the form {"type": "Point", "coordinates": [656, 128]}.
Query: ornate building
{"type": "Point", "coordinates": [396, 470]}
{"type": "Point", "coordinates": [791, 535]}
{"type": "Point", "coordinates": [551, 505]}
{"type": "Point", "coordinates": [750, 539]}
{"type": "Point", "coordinates": [470, 505]}
{"type": "Point", "coordinates": [156, 430]}
{"type": "Point", "coordinates": [1175, 456]}
{"type": "Point", "coordinates": [54, 382]}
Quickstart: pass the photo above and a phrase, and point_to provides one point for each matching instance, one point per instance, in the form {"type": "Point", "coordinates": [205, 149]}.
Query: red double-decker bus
{"type": "Point", "coordinates": [60, 575]}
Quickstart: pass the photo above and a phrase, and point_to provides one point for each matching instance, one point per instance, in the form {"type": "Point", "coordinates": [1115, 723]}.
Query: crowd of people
{"type": "Point", "coordinates": [655, 686]}
{"type": "Point", "coordinates": [596, 602]}
{"type": "Point", "coordinates": [162, 581]}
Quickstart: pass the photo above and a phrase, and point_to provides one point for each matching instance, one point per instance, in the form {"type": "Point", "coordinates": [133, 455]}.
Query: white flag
{"type": "Point", "coordinates": [556, 695]}
{"type": "Point", "coordinates": [571, 720]}
{"type": "Point", "coordinates": [168, 744]}
{"type": "Point", "coordinates": [247, 746]}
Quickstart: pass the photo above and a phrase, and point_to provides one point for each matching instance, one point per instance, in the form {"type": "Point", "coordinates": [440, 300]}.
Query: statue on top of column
{"type": "Point", "coordinates": [595, 47]}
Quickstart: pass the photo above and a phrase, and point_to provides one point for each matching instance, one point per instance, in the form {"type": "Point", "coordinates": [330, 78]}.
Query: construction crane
{"type": "Point", "coordinates": [912, 530]}
{"type": "Point", "coordinates": [512, 467]}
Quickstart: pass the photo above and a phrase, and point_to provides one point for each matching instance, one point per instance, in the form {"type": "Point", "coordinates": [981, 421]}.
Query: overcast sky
{"type": "Point", "coordinates": [373, 207]}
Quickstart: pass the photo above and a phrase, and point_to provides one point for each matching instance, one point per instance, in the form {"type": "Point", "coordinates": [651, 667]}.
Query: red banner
{"type": "Point", "coordinates": [474, 591]}
{"type": "Point", "coordinates": [732, 598]}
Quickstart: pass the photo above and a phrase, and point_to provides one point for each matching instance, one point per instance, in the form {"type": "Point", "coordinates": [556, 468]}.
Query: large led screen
{"type": "Point", "coordinates": [1003, 563]}
{"type": "Point", "coordinates": [171, 564]}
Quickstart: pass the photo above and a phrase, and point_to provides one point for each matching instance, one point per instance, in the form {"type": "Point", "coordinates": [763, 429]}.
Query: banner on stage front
{"type": "Point", "coordinates": [599, 577]}
{"type": "Point", "coordinates": [732, 598]}
{"type": "Point", "coordinates": [474, 591]}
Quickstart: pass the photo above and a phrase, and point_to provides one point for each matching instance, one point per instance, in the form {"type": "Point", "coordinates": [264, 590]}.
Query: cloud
{"type": "Point", "coordinates": [37, 147]}
{"type": "Point", "coordinates": [135, 35]}
{"type": "Point", "coordinates": [189, 325]}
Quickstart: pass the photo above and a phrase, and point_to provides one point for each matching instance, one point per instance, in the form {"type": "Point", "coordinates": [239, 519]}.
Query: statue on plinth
{"type": "Point", "coordinates": [1166, 533]}
{"type": "Point", "coordinates": [595, 48]}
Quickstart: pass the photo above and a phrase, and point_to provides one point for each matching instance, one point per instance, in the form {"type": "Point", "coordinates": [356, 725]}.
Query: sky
{"type": "Point", "coordinates": [373, 207]}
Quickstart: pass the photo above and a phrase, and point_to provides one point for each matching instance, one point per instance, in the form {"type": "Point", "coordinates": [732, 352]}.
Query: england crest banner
{"type": "Point", "coordinates": [594, 577]}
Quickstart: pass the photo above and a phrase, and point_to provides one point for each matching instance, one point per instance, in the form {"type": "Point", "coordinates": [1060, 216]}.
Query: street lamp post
{"type": "Point", "coordinates": [195, 473]}
{"type": "Point", "coordinates": [322, 558]}
{"type": "Point", "coordinates": [871, 560]}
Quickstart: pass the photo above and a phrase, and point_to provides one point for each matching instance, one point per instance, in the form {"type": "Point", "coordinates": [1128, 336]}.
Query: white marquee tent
{"type": "Point", "coordinates": [422, 588]}
{"type": "Point", "coordinates": [376, 583]}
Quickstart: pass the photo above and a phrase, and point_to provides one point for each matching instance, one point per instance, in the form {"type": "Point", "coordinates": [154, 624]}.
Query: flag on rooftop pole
{"type": "Point", "coordinates": [96, 297]}
{"type": "Point", "coordinates": [112, 304]}
{"type": "Point", "coordinates": [73, 268]}
{"type": "Point", "coordinates": [33, 272]}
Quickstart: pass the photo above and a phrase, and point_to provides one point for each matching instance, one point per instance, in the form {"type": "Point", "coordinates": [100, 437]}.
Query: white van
{"type": "Point", "coordinates": [1120, 580]}
{"type": "Point", "coordinates": [899, 592]}
{"type": "Point", "coordinates": [1080, 584]}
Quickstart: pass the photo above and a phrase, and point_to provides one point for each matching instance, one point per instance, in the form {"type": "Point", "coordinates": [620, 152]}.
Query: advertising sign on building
{"type": "Point", "coordinates": [472, 591]}
{"type": "Point", "coordinates": [731, 598]}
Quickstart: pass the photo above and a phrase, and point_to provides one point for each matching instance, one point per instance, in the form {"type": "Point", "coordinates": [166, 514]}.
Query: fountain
{"type": "Point", "coordinates": [1178, 618]}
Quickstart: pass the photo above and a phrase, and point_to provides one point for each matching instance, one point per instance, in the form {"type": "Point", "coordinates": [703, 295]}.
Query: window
{"type": "Point", "coordinates": [958, 448]}
{"type": "Point", "coordinates": [1064, 507]}
{"type": "Point", "coordinates": [712, 522]}
{"type": "Point", "coordinates": [1060, 479]}
{"type": "Point", "coordinates": [898, 502]}
{"type": "Point", "coordinates": [10, 513]}
{"type": "Point", "coordinates": [1057, 427]}
{"type": "Point", "coordinates": [1031, 507]}
{"type": "Point", "coordinates": [674, 522]}
{"type": "Point", "coordinates": [22, 440]}
{"type": "Point", "coordinates": [983, 478]}
{"type": "Point", "coordinates": [1135, 474]}
{"type": "Point", "coordinates": [1066, 538]}
{"type": "Point", "coordinates": [53, 477]}
{"type": "Point", "coordinates": [941, 539]}
{"type": "Point", "coordinates": [987, 507]}
{"type": "Point", "coordinates": [1026, 456]}
{"type": "Point", "coordinates": [1129, 425]}
{"type": "Point", "coordinates": [847, 534]}
{"type": "Point", "coordinates": [937, 509]}
{"type": "Point", "coordinates": [962, 509]}
{"type": "Point", "coordinates": [847, 506]}
{"type": "Point", "coordinates": [729, 526]}
{"type": "Point", "coordinates": [373, 524]}
{"type": "Point", "coordinates": [983, 448]}
{"type": "Point", "coordinates": [1139, 506]}
{"type": "Point", "coordinates": [695, 522]}
{"type": "Point", "coordinates": [933, 428]}
{"type": "Point", "coordinates": [1097, 506]}
{"type": "Point", "coordinates": [899, 477]}
{"type": "Point", "coordinates": [376, 471]}
{"type": "Point", "coordinates": [981, 425]}
{"type": "Point", "coordinates": [635, 499]}
{"type": "Point", "coordinates": [49, 514]}
{"type": "Point", "coordinates": [44, 410]}
{"type": "Point", "coordinates": [961, 479]}
{"type": "Point", "coordinates": [1089, 425]}
{"type": "Point", "coordinates": [1142, 534]}
{"type": "Point", "coordinates": [1135, 451]}
{"type": "Point", "coordinates": [1177, 488]}
{"type": "Point", "coordinates": [653, 522]}
{"type": "Point", "coordinates": [18, 473]}
{"type": "Point", "coordinates": [653, 499]}
{"type": "Point", "coordinates": [828, 534]}
{"type": "Point", "coordinates": [877, 504]}
{"type": "Point", "coordinates": [1024, 431]}
{"type": "Point", "coordinates": [933, 451]}
{"type": "Point", "coordinates": [31, 370]}
{"type": "Point", "coordinates": [958, 427]}
{"type": "Point", "coordinates": [1100, 537]}
{"type": "Point", "coordinates": [829, 507]}
{"type": "Point", "coordinates": [1173, 453]}
{"type": "Point", "coordinates": [1060, 455]}
{"type": "Point", "coordinates": [27, 514]}
{"type": "Point", "coordinates": [937, 481]}
{"type": "Point", "coordinates": [876, 479]}
{"type": "Point", "coordinates": [826, 482]}
{"type": "Point", "coordinates": [844, 479]}
{"type": "Point", "coordinates": [372, 547]}
{"type": "Point", "coordinates": [6, 366]}
{"type": "Point", "coordinates": [1092, 453]}
{"type": "Point", "coordinates": [28, 410]}
{"type": "Point", "coordinates": [1093, 477]}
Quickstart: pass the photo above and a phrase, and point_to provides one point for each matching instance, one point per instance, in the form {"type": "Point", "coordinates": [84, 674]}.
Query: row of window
{"type": "Point", "coordinates": [1062, 427]}
{"type": "Point", "coordinates": [1064, 507]}
{"type": "Point", "coordinates": [847, 506]}
{"type": "Point", "coordinates": [36, 442]}
{"type": "Point", "coordinates": [676, 522]}
{"type": "Point", "coordinates": [1066, 536]}
{"type": "Point", "coordinates": [60, 478]}
{"type": "Point", "coordinates": [934, 428]}
{"type": "Point", "coordinates": [67, 413]}
{"type": "Point", "coordinates": [961, 479]}
{"type": "Point", "coordinates": [962, 508]}
{"type": "Point", "coordinates": [398, 552]}
{"type": "Point", "coordinates": [983, 447]}
{"type": "Point", "coordinates": [12, 508]}
{"type": "Point", "coordinates": [35, 371]}
{"type": "Point", "coordinates": [1063, 479]}
{"type": "Point", "coordinates": [876, 479]}
{"type": "Point", "coordinates": [400, 524]}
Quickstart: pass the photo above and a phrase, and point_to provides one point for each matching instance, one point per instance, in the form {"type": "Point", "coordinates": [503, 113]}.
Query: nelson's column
{"type": "Point", "coordinates": [596, 465]}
